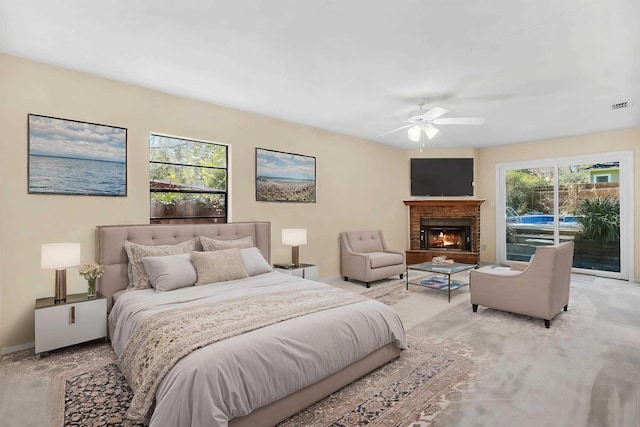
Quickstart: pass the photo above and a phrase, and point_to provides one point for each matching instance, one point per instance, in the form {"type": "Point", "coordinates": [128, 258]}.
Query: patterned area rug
{"type": "Point", "coordinates": [397, 394]}
{"type": "Point", "coordinates": [97, 398]}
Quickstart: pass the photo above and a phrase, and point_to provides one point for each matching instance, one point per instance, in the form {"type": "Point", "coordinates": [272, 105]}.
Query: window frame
{"type": "Point", "coordinates": [192, 219]}
{"type": "Point", "coordinates": [601, 175]}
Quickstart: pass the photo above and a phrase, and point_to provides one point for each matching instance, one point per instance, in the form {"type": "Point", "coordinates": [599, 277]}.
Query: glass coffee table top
{"type": "Point", "coordinates": [432, 267]}
{"type": "Point", "coordinates": [439, 283]}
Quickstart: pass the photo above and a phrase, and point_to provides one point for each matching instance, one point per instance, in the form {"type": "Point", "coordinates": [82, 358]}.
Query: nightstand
{"type": "Point", "coordinates": [306, 271]}
{"type": "Point", "coordinates": [76, 320]}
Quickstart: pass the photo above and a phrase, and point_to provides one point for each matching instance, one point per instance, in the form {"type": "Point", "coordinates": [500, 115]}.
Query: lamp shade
{"type": "Point", "coordinates": [414, 133]}
{"type": "Point", "coordinates": [431, 131]}
{"type": "Point", "coordinates": [294, 236]}
{"type": "Point", "coordinates": [59, 255]}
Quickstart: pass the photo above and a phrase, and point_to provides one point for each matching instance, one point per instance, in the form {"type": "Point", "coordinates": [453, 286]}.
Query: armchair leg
{"type": "Point", "coordinates": [565, 307]}
{"type": "Point", "coordinates": [368, 284]}
{"type": "Point", "coordinates": [474, 307]}
{"type": "Point", "coordinates": [346, 279]}
{"type": "Point", "coordinates": [547, 323]}
{"type": "Point", "coordinates": [401, 276]}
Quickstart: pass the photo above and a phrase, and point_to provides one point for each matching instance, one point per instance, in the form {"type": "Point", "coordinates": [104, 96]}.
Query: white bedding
{"type": "Point", "coordinates": [233, 377]}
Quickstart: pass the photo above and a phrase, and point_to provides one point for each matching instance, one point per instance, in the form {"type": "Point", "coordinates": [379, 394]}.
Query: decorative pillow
{"type": "Point", "coordinates": [218, 266]}
{"type": "Point", "coordinates": [253, 261]}
{"type": "Point", "coordinates": [139, 278]}
{"type": "Point", "coordinates": [170, 272]}
{"type": "Point", "coordinates": [209, 244]}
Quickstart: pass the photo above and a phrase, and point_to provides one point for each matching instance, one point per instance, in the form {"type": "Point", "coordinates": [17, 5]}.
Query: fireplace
{"type": "Point", "coordinates": [450, 234]}
{"type": "Point", "coordinates": [444, 227]}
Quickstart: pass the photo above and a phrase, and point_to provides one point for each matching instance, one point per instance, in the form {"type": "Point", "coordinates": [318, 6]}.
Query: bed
{"type": "Point", "coordinates": [255, 378]}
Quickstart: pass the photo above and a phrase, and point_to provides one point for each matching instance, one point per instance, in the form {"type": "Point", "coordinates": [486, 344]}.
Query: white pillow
{"type": "Point", "coordinates": [209, 244]}
{"type": "Point", "coordinates": [139, 278]}
{"type": "Point", "coordinates": [170, 272]}
{"type": "Point", "coordinates": [253, 261]}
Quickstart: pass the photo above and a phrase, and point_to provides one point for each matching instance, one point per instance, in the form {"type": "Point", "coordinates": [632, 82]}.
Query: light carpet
{"type": "Point", "coordinates": [508, 370]}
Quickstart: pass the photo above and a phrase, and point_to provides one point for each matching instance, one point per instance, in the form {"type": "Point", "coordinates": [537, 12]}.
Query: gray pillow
{"type": "Point", "coordinates": [136, 252]}
{"type": "Point", "coordinates": [209, 244]}
{"type": "Point", "coordinates": [253, 261]}
{"type": "Point", "coordinates": [218, 266]}
{"type": "Point", "coordinates": [170, 272]}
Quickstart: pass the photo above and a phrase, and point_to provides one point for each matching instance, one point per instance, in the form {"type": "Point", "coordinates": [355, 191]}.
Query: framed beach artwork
{"type": "Point", "coordinates": [73, 157]}
{"type": "Point", "coordinates": [285, 177]}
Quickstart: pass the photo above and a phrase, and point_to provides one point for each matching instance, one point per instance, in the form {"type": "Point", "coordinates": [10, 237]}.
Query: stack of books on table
{"type": "Point", "coordinates": [436, 282]}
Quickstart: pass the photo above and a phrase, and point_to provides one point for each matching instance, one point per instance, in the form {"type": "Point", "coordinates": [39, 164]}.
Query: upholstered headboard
{"type": "Point", "coordinates": [111, 254]}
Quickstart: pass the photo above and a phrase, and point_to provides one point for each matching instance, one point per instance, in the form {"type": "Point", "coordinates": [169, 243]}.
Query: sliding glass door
{"type": "Point", "coordinates": [581, 199]}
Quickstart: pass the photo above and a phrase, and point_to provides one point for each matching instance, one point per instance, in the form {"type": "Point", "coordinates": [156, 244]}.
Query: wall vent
{"type": "Point", "coordinates": [620, 105]}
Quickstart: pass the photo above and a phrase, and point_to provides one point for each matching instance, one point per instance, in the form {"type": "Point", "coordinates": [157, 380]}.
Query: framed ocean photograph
{"type": "Point", "coordinates": [73, 157]}
{"type": "Point", "coordinates": [285, 177]}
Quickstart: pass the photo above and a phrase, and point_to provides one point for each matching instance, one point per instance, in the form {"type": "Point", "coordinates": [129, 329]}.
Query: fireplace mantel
{"type": "Point", "coordinates": [443, 208]}
{"type": "Point", "coordinates": [443, 202]}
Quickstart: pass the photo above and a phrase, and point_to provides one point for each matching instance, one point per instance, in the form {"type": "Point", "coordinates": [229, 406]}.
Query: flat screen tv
{"type": "Point", "coordinates": [442, 177]}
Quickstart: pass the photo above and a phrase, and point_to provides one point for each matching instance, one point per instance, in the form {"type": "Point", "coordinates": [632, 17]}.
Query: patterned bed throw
{"type": "Point", "coordinates": [160, 341]}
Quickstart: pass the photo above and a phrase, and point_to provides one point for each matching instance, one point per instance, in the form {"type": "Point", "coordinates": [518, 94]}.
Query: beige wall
{"type": "Point", "coordinates": [488, 158]}
{"type": "Point", "coordinates": [358, 184]}
{"type": "Point", "coordinates": [361, 184]}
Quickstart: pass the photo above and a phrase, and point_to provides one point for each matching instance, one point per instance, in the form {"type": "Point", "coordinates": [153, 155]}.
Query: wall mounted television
{"type": "Point", "coordinates": [442, 177]}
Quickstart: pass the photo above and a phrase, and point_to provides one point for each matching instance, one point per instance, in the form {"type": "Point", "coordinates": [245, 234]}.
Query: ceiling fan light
{"type": "Point", "coordinates": [414, 133]}
{"type": "Point", "coordinates": [431, 131]}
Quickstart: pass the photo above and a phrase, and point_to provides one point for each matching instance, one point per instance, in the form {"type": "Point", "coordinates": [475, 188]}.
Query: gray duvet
{"type": "Point", "coordinates": [234, 376]}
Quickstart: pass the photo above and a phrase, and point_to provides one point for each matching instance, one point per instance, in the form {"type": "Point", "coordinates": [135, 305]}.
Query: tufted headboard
{"type": "Point", "coordinates": [111, 254]}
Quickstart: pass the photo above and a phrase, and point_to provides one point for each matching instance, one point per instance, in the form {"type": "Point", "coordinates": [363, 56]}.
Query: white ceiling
{"type": "Point", "coordinates": [535, 69]}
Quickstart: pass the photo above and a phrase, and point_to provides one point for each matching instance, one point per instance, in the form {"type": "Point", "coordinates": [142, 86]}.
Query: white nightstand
{"type": "Point", "coordinates": [306, 271]}
{"type": "Point", "coordinates": [76, 320]}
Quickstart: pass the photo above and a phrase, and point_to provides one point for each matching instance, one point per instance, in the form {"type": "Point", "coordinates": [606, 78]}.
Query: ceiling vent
{"type": "Point", "coordinates": [621, 105]}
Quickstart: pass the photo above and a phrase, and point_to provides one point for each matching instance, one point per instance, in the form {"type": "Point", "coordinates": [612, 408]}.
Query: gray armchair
{"type": "Point", "coordinates": [538, 289]}
{"type": "Point", "coordinates": [364, 256]}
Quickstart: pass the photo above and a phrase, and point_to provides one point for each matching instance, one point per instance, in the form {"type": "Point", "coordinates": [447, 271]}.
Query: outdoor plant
{"type": "Point", "coordinates": [599, 218]}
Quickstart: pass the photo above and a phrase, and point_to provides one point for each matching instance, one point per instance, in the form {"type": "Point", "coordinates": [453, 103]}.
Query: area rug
{"type": "Point", "coordinates": [394, 395]}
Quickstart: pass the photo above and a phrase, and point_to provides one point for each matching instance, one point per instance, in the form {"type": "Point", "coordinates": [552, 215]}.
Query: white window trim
{"type": "Point", "coordinates": [627, 229]}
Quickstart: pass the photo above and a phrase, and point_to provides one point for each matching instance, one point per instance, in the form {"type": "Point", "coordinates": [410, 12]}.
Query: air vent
{"type": "Point", "coordinates": [620, 105]}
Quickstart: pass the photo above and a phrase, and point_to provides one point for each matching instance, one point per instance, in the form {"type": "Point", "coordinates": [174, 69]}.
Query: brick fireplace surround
{"type": "Point", "coordinates": [463, 208]}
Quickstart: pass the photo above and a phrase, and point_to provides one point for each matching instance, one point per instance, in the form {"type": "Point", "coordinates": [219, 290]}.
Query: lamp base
{"type": "Point", "coordinates": [61, 286]}
{"type": "Point", "coordinates": [295, 260]}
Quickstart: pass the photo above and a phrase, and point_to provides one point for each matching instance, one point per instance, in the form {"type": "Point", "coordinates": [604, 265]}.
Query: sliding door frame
{"type": "Point", "coordinates": [625, 159]}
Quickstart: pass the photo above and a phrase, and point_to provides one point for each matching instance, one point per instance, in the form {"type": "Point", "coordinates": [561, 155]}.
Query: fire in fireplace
{"type": "Point", "coordinates": [445, 234]}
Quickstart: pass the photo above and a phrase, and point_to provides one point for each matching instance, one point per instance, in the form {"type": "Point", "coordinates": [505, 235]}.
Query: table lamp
{"type": "Point", "coordinates": [294, 237]}
{"type": "Point", "coordinates": [60, 256]}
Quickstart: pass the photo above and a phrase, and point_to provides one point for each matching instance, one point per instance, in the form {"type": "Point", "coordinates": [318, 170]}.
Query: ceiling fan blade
{"type": "Point", "coordinates": [434, 113]}
{"type": "Point", "coordinates": [394, 130]}
{"type": "Point", "coordinates": [460, 121]}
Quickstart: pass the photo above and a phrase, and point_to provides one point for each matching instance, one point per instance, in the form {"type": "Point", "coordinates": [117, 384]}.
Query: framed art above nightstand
{"type": "Point", "coordinates": [76, 320]}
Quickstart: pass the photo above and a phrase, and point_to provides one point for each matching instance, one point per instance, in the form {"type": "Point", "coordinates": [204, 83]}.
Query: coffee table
{"type": "Point", "coordinates": [440, 283]}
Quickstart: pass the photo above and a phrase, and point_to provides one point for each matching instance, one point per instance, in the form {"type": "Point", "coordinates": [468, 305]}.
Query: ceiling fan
{"type": "Point", "coordinates": [422, 122]}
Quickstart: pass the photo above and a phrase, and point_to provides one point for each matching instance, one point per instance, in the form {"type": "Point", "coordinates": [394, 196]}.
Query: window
{"type": "Point", "coordinates": [561, 199]}
{"type": "Point", "coordinates": [187, 180]}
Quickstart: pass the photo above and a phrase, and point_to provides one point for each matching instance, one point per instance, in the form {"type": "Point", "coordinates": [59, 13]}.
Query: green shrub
{"type": "Point", "coordinates": [599, 218]}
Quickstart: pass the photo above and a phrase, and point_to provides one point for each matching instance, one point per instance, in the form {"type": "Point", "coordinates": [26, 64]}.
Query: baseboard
{"type": "Point", "coordinates": [13, 349]}
{"type": "Point", "coordinates": [330, 278]}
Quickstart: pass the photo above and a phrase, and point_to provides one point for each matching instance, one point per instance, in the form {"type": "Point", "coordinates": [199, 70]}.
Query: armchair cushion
{"type": "Point", "coordinates": [383, 259]}
{"type": "Point", "coordinates": [365, 241]}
